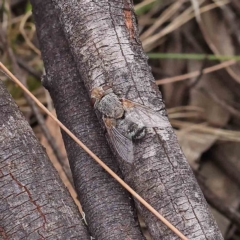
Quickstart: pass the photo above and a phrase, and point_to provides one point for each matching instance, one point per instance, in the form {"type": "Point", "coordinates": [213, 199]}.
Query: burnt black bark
{"type": "Point", "coordinates": [103, 38]}
{"type": "Point", "coordinates": [109, 210]}
{"type": "Point", "coordinates": [34, 203]}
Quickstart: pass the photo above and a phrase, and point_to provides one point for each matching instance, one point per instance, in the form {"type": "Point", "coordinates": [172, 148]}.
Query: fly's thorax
{"type": "Point", "coordinates": [110, 106]}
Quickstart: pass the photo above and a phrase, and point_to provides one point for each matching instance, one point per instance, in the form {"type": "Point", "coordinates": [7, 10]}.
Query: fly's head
{"type": "Point", "coordinates": [98, 93]}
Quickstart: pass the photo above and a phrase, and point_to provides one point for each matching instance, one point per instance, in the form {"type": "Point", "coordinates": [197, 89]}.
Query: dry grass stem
{"type": "Point", "coordinates": [185, 108]}
{"type": "Point", "coordinates": [224, 135]}
{"type": "Point", "coordinates": [166, 15]}
{"type": "Point", "coordinates": [195, 73]}
{"type": "Point", "coordinates": [183, 18]}
{"type": "Point", "coordinates": [142, 4]}
{"type": "Point", "coordinates": [23, 32]}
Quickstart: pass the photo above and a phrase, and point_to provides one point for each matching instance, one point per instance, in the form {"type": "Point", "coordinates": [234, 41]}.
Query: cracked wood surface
{"type": "Point", "coordinates": [104, 41]}
{"type": "Point", "coordinates": [108, 207]}
{"type": "Point", "coordinates": [34, 202]}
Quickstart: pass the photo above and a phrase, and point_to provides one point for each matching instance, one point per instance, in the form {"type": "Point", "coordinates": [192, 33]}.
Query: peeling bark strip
{"type": "Point", "coordinates": [128, 16]}
{"type": "Point", "coordinates": [108, 207]}
{"type": "Point", "coordinates": [105, 54]}
{"type": "Point", "coordinates": [129, 23]}
{"type": "Point", "coordinates": [34, 202]}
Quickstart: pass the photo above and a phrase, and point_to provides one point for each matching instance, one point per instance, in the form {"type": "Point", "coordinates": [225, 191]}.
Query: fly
{"type": "Point", "coordinates": [125, 120]}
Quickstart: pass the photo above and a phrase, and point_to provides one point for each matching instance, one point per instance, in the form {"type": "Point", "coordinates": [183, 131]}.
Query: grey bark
{"type": "Point", "coordinates": [108, 207]}
{"type": "Point", "coordinates": [34, 202]}
{"type": "Point", "coordinates": [103, 38]}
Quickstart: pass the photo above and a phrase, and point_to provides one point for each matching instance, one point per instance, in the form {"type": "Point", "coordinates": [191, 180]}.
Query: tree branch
{"type": "Point", "coordinates": [104, 41]}
{"type": "Point", "coordinates": [34, 202]}
{"type": "Point", "coordinates": [109, 210]}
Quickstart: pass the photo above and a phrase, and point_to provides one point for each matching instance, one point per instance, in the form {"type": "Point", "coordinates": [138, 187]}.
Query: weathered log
{"type": "Point", "coordinates": [108, 207]}
{"type": "Point", "coordinates": [34, 202]}
{"type": "Point", "coordinates": [103, 38]}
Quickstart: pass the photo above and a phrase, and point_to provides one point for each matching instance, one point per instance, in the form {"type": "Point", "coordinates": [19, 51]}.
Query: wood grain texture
{"type": "Point", "coordinates": [34, 202]}
{"type": "Point", "coordinates": [108, 207]}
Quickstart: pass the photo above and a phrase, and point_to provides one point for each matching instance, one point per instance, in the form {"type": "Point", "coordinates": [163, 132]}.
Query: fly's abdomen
{"type": "Point", "coordinates": [131, 126]}
{"type": "Point", "coordinates": [136, 131]}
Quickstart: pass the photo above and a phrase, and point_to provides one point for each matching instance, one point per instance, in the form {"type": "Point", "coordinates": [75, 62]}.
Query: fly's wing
{"type": "Point", "coordinates": [122, 145]}
{"type": "Point", "coordinates": [149, 117]}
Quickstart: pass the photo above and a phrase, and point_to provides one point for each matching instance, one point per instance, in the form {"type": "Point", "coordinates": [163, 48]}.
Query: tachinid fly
{"type": "Point", "coordinates": [125, 120]}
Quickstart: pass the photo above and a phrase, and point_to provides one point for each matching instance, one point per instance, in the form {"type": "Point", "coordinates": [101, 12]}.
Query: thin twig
{"type": "Point", "coordinates": [95, 157]}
